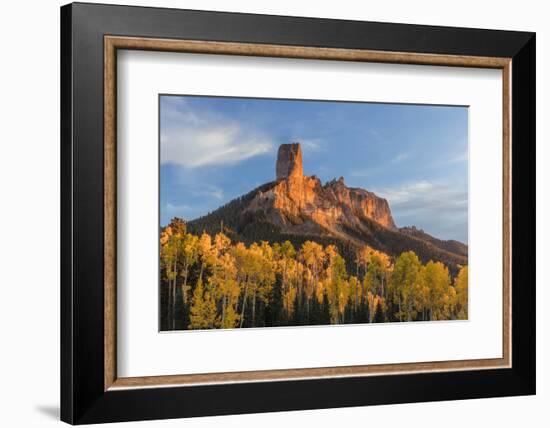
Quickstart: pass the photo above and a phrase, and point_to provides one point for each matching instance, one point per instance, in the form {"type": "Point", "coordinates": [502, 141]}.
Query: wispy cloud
{"type": "Point", "coordinates": [194, 139]}
{"type": "Point", "coordinates": [208, 190]}
{"type": "Point", "coordinates": [310, 144]}
{"type": "Point", "coordinates": [374, 133]}
{"type": "Point", "coordinates": [365, 173]}
{"type": "Point", "coordinates": [424, 197]}
{"type": "Point", "coordinates": [408, 158]}
{"type": "Point", "coordinates": [461, 157]}
{"type": "Point", "coordinates": [400, 157]}
{"type": "Point", "coordinates": [438, 207]}
{"type": "Point", "coordinates": [382, 168]}
{"type": "Point", "coordinates": [176, 209]}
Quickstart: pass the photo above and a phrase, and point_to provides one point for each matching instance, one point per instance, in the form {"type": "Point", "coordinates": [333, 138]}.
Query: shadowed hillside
{"type": "Point", "coordinates": [298, 208]}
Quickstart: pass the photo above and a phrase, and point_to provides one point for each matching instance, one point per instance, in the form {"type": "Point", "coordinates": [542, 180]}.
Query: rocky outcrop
{"type": "Point", "coordinates": [302, 204]}
{"type": "Point", "coordinates": [289, 161]}
{"type": "Point", "coordinates": [296, 207]}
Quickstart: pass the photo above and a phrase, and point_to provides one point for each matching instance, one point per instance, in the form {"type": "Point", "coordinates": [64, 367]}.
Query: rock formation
{"type": "Point", "coordinates": [298, 203]}
{"type": "Point", "coordinates": [296, 207]}
{"type": "Point", "coordinates": [289, 161]}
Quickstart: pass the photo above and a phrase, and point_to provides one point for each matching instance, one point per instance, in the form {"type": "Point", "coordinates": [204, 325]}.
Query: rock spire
{"type": "Point", "coordinates": [289, 161]}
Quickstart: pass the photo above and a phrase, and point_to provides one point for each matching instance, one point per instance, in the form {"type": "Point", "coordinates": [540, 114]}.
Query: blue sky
{"type": "Point", "coordinates": [214, 149]}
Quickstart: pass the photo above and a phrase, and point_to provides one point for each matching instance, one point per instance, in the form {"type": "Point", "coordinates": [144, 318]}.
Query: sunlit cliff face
{"type": "Point", "coordinates": [302, 202]}
{"type": "Point", "coordinates": [289, 162]}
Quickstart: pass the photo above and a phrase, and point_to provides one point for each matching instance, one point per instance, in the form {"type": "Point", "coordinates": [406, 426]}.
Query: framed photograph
{"type": "Point", "coordinates": [266, 213]}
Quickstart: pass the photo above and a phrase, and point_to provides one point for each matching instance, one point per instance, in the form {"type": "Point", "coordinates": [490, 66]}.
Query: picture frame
{"type": "Point", "coordinates": [91, 35]}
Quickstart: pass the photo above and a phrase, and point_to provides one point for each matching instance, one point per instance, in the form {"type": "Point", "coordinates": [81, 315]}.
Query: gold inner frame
{"type": "Point", "coordinates": [113, 43]}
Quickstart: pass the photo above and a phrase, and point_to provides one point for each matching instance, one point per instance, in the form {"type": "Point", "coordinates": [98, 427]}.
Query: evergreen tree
{"type": "Point", "coordinates": [296, 313]}
{"type": "Point", "coordinates": [379, 313]}
{"type": "Point", "coordinates": [349, 317]}
{"type": "Point", "coordinates": [362, 314]}
{"type": "Point", "coordinates": [274, 311]}
{"type": "Point", "coordinates": [315, 312]}
{"type": "Point", "coordinates": [325, 311]}
{"type": "Point", "coordinates": [300, 311]}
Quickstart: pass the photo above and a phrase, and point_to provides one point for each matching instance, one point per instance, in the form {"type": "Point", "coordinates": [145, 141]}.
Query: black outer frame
{"type": "Point", "coordinates": [83, 399]}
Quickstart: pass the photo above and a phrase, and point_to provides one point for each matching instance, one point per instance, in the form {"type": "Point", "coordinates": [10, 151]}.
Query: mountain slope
{"type": "Point", "coordinates": [297, 208]}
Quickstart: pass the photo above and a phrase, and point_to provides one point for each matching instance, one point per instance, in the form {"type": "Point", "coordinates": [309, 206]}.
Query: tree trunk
{"type": "Point", "coordinates": [174, 293]}
{"type": "Point", "coordinates": [373, 312]}
{"type": "Point", "coordinates": [202, 270]}
{"type": "Point", "coordinates": [184, 285]}
{"type": "Point", "coordinates": [169, 303]}
{"type": "Point", "coordinates": [244, 303]}
{"type": "Point", "coordinates": [222, 303]}
{"type": "Point", "coordinates": [399, 306]}
{"type": "Point", "coordinates": [168, 296]}
{"type": "Point", "coordinates": [254, 310]}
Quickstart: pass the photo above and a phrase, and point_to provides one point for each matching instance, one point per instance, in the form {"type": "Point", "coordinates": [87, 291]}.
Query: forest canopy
{"type": "Point", "coordinates": [207, 281]}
